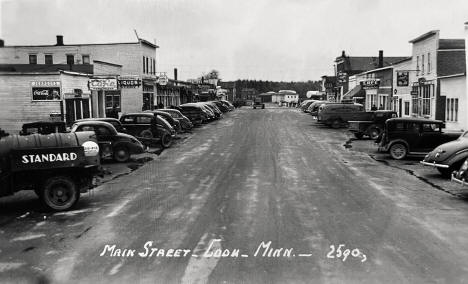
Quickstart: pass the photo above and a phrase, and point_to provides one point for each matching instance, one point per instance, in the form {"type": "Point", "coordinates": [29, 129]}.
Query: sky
{"type": "Point", "coordinates": [276, 40]}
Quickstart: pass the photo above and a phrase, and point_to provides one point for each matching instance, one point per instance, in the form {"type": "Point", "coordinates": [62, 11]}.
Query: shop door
{"type": "Point", "coordinates": [76, 109]}
{"type": "Point", "coordinates": [148, 103]}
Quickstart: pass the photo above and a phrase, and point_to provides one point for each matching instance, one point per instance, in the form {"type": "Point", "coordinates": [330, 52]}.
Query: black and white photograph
{"type": "Point", "coordinates": [233, 141]}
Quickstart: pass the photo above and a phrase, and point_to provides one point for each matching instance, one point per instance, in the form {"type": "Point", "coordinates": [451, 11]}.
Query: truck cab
{"type": "Point", "coordinates": [258, 103]}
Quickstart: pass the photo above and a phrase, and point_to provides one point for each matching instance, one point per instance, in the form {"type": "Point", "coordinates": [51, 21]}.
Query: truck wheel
{"type": "Point", "coordinates": [263, 106]}
{"type": "Point", "coordinates": [60, 193]}
{"type": "Point", "coordinates": [374, 133]}
{"type": "Point", "coordinates": [336, 123]}
{"type": "Point", "coordinates": [398, 151]}
{"type": "Point", "coordinates": [121, 154]}
{"type": "Point", "coordinates": [358, 135]}
{"type": "Point", "coordinates": [254, 107]}
{"type": "Point", "coordinates": [166, 140]}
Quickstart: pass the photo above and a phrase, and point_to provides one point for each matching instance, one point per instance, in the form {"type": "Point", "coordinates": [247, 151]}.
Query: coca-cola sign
{"type": "Point", "coordinates": [46, 90]}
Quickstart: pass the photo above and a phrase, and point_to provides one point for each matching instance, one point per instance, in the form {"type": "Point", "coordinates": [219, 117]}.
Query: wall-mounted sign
{"type": "Point", "coordinates": [414, 93]}
{"type": "Point", "coordinates": [102, 84]}
{"type": "Point", "coordinates": [163, 80]}
{"type": "Point", "coordinates": [402, 79]}
{"type": "Point", "coordinates": [370, 84]}
{"type": "Point", "coordinates": [45, 90]}
{"type": "Point", "coordinates": [342, 77]}
{"type": "Point", "coordinates": [129, 82]}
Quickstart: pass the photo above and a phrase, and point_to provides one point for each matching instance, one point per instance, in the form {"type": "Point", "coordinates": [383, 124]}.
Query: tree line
{"type": "Point", "coordinates": [266, 86]}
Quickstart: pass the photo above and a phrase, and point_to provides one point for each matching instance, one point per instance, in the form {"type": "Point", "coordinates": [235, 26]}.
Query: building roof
{"type": "Point", "coordinates": [451, 44]}
{"type": "Point", "coordinates": [451, 62]}
{"type": "Point", "coordinates": [45, 68]}
{"type": "Point", "coordinates": [85, 44]}
{"type": "Point", "coordinates": [424, 36]}
{"type": "Point", "coordinates": [359, 63]}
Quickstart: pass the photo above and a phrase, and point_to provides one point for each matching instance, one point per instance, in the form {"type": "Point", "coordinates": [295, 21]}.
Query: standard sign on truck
{"type": "Point", "coordinates": [46, 158]}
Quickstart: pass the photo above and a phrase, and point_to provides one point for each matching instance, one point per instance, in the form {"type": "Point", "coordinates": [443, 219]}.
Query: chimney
{"type": "Point", "coordinates": [59, 40]}
{"type": "Point", "coordinates": [2, 43]}
{"type": "Point", "coordinates": [380, 58]}
{"type": "Point", "coordinates": [175, 74]}
{"type": "Point", "coordinates": [343, 54]}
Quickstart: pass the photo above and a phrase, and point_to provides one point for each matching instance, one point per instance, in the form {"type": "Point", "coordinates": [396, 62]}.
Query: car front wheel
{"type": "Point", "coordinates": [166, 140]}
{"type": "Point", "coordinates": [398, 151]}
{"type": "Point", "coordinates": [121, 154]}
{"type": "Point", "coordinates": [374, 133]}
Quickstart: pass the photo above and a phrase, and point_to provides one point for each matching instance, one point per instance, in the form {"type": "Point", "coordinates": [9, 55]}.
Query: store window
{"type": "Point", "coordinates": [70, 59]}
{"type": "Point", "coordinates": [428, 63]}
{"type": "Point", "coordinates": [417, 65]}
{"type": "Point", "coordinates": [48, 59]}
{"type": "Point", "coordinates": [407, 108]}
{"type": "Point", "coordinates": [422, 62]}
{"type": "Point", "coordinates": [426, 100]}
{"type": "Point", "coordinates": [32, 58]}
{"type": "Point", "coordinates": [113, 98]}
{"type": "Point", "coordinates": [451, 113]}
{"type": "Point", "coordinates": [85, 59]}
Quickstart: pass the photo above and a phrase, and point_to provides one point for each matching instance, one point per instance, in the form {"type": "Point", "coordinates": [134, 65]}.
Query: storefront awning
{"type": "Point", "coordinates": [353, 92]}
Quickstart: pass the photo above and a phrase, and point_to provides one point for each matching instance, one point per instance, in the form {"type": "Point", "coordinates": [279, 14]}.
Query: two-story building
{"type": "Point", "coordinates": [131, 89]}
{"type": "Point", "coordinates": [439, 84]}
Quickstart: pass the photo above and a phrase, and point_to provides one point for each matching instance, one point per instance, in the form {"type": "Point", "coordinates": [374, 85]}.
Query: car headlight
{"type": "Point", "coordinates": [464, 167]}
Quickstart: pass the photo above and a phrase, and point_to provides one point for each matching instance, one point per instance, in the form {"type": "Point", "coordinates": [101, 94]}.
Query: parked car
{"type": "Point", "coordinates": [461, 176]}
{"type": "Point", "coordinates": [228, 104]}
{"type": "Point", "coordinates": [114, 121]}
{"type": "Point", "coordinates": [338, 115]}
{"type": "Point", "coordinates": [148, 128]}
{"type": "Point", "coordinates": [58, 167]}
{"type": "Point", "coordinates": [306, 104]}
{"type": "Point", "coordinates": [404, 136]}
{"type": "Point", "coordinates": [119, 146]}
{"type": "Point", "coordinates": [184, 122]}
{"type": "Point", "coordinates": [372, 127]}
{"type": "Point", "coordinates": [195, 113]}
{"type": "Point", "coordinates": [168, 117]}
{"type": "Point", "coordinates": [314, 107]}
{"type": "Point", "coordinates": [43, 127]}
{"type": "Point", "coordinates": [449, 156]}
{"type": "Point", "coordinates": [257, 103]}
{"type": "Point", "coordinates": [222, 107]}
{"type": "Point", "coordinates": [216, 111]}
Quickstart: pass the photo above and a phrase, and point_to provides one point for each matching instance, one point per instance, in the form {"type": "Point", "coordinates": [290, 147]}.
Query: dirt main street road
{"type": "Point", "coordinates": [279, 196]}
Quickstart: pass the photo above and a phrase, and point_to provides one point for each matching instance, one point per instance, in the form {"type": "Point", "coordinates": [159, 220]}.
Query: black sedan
{"type": "Point", "coordinates": [111, 143]}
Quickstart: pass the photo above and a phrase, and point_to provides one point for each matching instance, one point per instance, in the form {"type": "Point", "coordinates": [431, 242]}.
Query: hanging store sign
{"type": "Point", "coordinates": [162, 80]}
{"type": "Point", "coordinates": [402, 79]}
{"type": "Point", "coordinates": [102, 84]}
{"type": "Point", "coordinates": [370, 84]}
{"type": "Point", "coordinates": [342, 77]}
{"type": "Point", "coordinates": [45, 90]}
{"type": "Point", "coordinates": [129, 82]}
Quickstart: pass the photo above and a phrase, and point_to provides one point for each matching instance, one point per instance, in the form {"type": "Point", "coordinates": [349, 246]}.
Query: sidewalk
{"type": "Point", "coordinates": [409, 165]}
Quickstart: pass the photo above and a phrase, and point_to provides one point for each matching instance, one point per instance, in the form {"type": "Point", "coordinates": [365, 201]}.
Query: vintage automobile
{"type": "Point", "coordinates": [461, 176]}
{"type": "Point", "coordinates": [448, 156]}
{"type": "Point", "coordinates": [228, 104]}
{"type": "Point", "coordinates": [119, 146]}
{"type": "Point", "coordinates": [114, 121]}
{"type": "Point", "coordinates": [168, 117]}
{"type": "Point", "coordinates": [148, 128]}
{"type": "Point", "coordinates": [43, 127]}
{"type": "Point", "coordinates": [184, 122]}
{"type": "Point", "coordinates": [257, 103]}
{"type": "Point", "coordinates": [373, 127]}
{"type": "Point", "coordinates": [58, 166]}
{"type": "Point", "coordinates": [195, 113]}
{"type": "Point", "coordinates": [338, 115]}
{"type": "Point", "coordinates": [222, 107]}
{"type": "Point", "coordinates": [416, 136]}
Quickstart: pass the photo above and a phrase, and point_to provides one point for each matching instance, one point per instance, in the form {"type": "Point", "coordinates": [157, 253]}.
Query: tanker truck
{"type": "Point", "coordinates": [58, 167]}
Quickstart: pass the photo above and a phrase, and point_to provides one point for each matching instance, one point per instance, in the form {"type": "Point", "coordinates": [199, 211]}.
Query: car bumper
{"type": "Point", "coordinates": [434, 164]}
{"type": "Point", "coordinates": [462, 182]}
